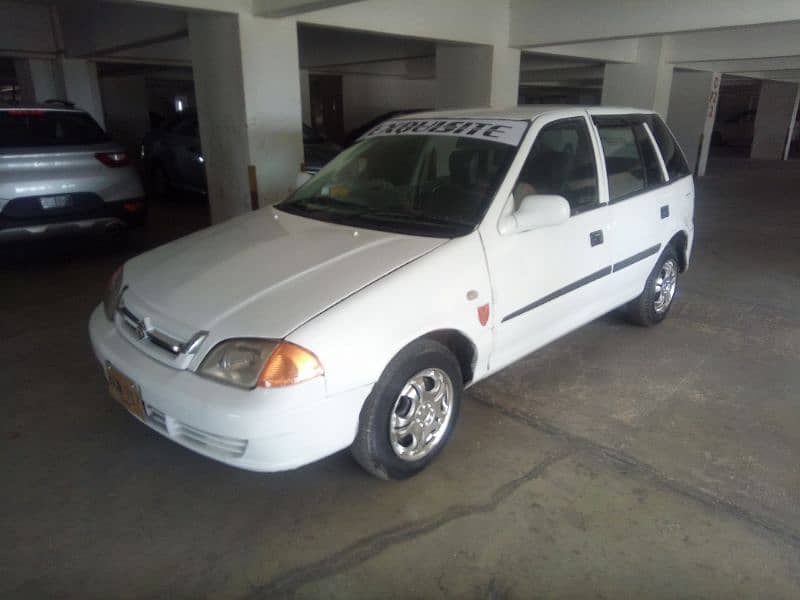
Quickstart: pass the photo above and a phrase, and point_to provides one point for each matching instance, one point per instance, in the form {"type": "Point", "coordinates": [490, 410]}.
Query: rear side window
{"type": "Point", "coordinates": [670, 152]}
{"type": "Point", "coordinates": [30, 128]}
{"type": "Point", "coordinates": [652, 169]}
{"type": "Point", "coordinates": [624, 167]}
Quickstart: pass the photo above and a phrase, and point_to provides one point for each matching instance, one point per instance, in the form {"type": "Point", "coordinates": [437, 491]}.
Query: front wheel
{"type": "Point", "coordinates": [410, 414]}
{"type": "Point", "coordinates": [653, 305]}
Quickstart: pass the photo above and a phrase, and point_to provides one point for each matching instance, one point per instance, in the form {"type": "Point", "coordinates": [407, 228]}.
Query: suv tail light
{"type": "Point", "coordinates": [113, 159]}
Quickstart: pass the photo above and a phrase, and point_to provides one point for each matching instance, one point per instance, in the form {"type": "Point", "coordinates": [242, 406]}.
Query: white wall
{"type": "Point", "coordinates": [365, 97]}
{"type": "Point", "coordinates": [688, 110]}
{"type": "Point", "coordinates": [777, 108]}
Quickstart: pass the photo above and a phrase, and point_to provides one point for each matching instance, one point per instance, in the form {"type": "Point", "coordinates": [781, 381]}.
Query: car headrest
{"type": "Point", "coordinates": [465, 166]}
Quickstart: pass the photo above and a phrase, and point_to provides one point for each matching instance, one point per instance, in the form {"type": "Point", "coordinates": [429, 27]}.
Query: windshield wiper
{"type": "Point", "coordinates": [325, 202]}
{"type": "Point", "coordinates": [411, 217]}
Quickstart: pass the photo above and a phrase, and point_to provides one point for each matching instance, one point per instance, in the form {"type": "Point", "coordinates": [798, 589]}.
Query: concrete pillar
{"type": "Point", "coordinates": [505, 77]}
{"type": "Point", "coordinates": [247, 82]}
{"type": "Point", "coordinates": [39, 80]}
{"type": "Point", "coordinates": [305, 96]}
{"type": "Point", "coordinates": [81, 86]}
{"type": "Point", "coordinates": [643, 84]}
{"type": "Point", "coordinates": [476, 76]}
{"type": "Point", "coordinates": [692, 109]}
{"type": "Point", "coordinates": [776, 112]}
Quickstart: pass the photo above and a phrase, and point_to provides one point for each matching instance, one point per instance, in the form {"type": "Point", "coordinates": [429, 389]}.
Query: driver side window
{"type": "Point", "coordinates": [561, 162]}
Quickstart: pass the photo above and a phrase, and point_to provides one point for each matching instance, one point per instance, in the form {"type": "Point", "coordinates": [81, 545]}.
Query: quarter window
{"type": "Point", "coordinates": [561, 162]}
{"type": "Point", "coordinates": [652, 168]}
{"type": "Point", "coordinates": [670, 152]}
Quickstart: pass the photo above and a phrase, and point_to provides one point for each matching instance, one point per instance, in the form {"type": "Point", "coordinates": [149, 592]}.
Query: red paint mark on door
{"type": "Point", "coordinates": [483, 314]}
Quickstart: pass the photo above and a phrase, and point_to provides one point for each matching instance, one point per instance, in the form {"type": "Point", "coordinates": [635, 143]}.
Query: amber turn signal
{"type": "Point", "coordinates": [289, 364]}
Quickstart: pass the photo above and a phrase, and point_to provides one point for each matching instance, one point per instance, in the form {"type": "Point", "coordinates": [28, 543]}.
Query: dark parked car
{"type": "Point", "coordinates": [173, 158]}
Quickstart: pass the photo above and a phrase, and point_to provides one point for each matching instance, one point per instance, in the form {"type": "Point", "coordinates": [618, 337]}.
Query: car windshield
{"type": "Point", "coordinates": [29, 128]}
{"type": "Point", "coordinates": [434, 185]}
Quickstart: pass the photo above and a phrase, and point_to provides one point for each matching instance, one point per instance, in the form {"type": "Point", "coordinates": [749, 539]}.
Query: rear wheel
{"type": "Point", "coordinates": [653, 305]}
{"type": "Point", "coordinates": [408, 418]}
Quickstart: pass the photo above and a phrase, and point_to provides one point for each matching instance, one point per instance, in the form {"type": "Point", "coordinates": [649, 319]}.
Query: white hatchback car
{"type": "Point", "coordinates": [437, 250]}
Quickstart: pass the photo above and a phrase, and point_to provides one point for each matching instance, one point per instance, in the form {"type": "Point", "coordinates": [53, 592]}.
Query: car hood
{"type": "Point", "coordinates": [265, 273]}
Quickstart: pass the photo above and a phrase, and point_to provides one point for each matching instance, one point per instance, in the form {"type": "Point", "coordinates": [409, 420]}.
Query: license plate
{"type": "Point", "coordinates": [125, 391]}
{"type": "Point", "coordinates": [51, 202]}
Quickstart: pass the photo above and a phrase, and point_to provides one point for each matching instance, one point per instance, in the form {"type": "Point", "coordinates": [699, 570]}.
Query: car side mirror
{"type": "Point", "coordinates": [535, 212]}
{"type": "Point", "coordinates": [302, 178]}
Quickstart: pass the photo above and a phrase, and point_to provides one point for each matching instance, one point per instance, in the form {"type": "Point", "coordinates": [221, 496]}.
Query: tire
{"type": "Point", "coordinates": [387, 443]}
{"type": "Point", "coordinates": [653, 304]}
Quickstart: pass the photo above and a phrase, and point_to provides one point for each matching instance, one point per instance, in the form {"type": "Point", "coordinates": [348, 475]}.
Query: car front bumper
{"type": "Point", "coordinates": [259, 430]}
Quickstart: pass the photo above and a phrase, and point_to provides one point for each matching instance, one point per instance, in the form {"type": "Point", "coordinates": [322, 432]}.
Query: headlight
{"type": "Point", "coordinates": [249, 362]}
{"type": "Point", "coordinates": [113, 294]}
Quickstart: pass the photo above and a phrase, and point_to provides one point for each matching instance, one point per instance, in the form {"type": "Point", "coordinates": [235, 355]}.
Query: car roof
{"type": "Point", "coordinates": [525, 112]}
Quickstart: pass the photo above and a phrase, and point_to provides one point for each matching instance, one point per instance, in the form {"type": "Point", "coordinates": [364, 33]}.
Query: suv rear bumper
{"type": "Point", "coordinates": [104, 217]}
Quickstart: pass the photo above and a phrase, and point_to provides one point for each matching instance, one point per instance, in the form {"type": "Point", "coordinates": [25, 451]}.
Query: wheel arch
{"type": "Point", "coordinates": [462, 347]}
{"type": "Point", "coordinates": [680, 241]}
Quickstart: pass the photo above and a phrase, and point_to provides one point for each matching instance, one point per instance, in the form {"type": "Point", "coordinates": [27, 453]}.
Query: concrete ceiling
{"type": "Point", "coordinates": [741, 37]}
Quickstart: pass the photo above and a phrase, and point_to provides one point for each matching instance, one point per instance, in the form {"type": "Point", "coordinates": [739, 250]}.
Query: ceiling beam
{"type": "Point", "coordinates": [738, 65]}
{"type": "Point", "coordinates": [792, 75]}
{"type": "Point", "coordinates": [623, 51]}
{"type": "Point", "coordinates": [547, 22]}
{"type": "Point", "coordinates": [579, 73]}
{"type": "Point", "coordinates": [288, 8]}
{"type": "Point", "coordinates": [764, 41]}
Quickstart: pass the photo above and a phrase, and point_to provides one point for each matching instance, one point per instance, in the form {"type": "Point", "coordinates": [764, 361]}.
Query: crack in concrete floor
{"type": "Point", "coordinates": [369, 547]}
{"type": "Point", "coordinates": [362, 550]}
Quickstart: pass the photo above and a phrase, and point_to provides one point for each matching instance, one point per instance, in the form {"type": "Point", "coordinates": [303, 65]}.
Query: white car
{"type": "Point", "coordinates": [437, 250]}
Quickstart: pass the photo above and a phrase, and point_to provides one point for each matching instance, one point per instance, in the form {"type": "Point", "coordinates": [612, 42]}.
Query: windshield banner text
{"type": "Point", "coordinates": [504, 131]}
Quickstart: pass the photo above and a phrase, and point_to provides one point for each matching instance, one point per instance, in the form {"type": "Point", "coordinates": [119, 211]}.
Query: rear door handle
{"type": "Point", "coordinates": [596, 237]}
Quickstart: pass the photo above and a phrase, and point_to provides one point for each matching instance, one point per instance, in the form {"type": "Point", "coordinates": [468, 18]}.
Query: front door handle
{"type": "Point", "coordinates": [596, 237]}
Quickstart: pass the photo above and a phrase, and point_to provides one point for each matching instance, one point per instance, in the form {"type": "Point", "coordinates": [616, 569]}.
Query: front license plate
{"type": "Point", "coordinates": [125, 391]}
{"type": "Point", "coordinates": [52, 202]}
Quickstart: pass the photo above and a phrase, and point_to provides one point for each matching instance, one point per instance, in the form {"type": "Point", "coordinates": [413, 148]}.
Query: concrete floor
{"type": "Point", "coordinates": [618, 462]}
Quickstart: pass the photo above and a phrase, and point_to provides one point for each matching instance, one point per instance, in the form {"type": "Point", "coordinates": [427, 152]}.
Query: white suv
{"type": "Point", "coordinates": [437, 250]}
{"type": "Point", "coordinates": [60, 174]}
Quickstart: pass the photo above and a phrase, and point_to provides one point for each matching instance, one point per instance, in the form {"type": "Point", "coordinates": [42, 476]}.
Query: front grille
{"type": "Point", "coordinates": [220, 445]}
{"type": "Point", "coordinates": [141, 329]}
